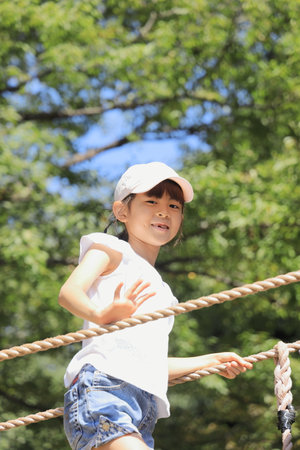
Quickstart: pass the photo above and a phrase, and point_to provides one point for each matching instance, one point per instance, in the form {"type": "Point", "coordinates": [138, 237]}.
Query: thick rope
{"type": "Point", "coordinates": [283, 385]}
{"type": "Point", "coordinates": [190, 305]}
{"type": "Point", "coordinates": [293, 347]}
{"type": "Point", "coordinates": [52, 413]}
{"type": "Point", "coordinates": [32, 418]}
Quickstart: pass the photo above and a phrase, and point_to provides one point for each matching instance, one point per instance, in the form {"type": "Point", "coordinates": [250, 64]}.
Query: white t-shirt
{"type": "Point", "coordinates": [137, 355]}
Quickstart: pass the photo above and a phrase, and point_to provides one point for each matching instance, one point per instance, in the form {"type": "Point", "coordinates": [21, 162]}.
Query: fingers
{"type": "Point", "coordinates": [233, 369]}
{"type": "Point", "coordinates": [236, 360]}
{"type": "Point", "coordinates": [229, 372]}
{"type": "Point", "coordinates": [234, 364]}
{"type": "Point", "coordinates": [136, 293]}
{"type": "Point", "coordinates": [145, 297]}
{"type": "Point", "coordinates": [244, 365]}
{"type": "Point", "coordinates": [241, 362]}
{"type": "Point", "coordinates": [118, 291]}
{"type": "Point", "coordinates": [141, 287]}
{"type": "Point", "coordinates": [225, 374]}
{"type": "Point", "coordinates": [136, 289]}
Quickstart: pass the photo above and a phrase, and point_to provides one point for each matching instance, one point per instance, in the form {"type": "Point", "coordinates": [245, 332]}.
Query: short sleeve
{"type": "Point", "coordinates": [173, 300]}
{"type": "Point", "coordinates": [101, 238]}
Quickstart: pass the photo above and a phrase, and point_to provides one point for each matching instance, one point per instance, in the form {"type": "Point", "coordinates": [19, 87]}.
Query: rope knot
{"type": "Point", "coordinates": [286, 418]}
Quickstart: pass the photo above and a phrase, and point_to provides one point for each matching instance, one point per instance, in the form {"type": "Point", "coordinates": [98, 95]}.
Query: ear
{"type": "Point", "coordinates": [120, 211]}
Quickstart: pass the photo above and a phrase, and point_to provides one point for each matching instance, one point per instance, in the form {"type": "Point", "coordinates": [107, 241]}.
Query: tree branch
{"type": "Point", "coordinates": [226, 47]}
{"type": "Point", "coordinates": [98, 110]}
{"type": "Point", "coordinates": [62, 114]}
{"type": "Point", "coordinates": [149, 24]}
{"type": "Point", "coordinates": [88, 111]}
{"type": "Point", "coordinates": [89, 154]}
{"type": "Point", "coordinates": [144, 30]}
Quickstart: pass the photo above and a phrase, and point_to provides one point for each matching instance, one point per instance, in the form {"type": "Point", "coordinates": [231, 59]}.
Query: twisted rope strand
{"type": "Point", "coordinates": [262, 356]}
{"type": "Point", "coordinates": [190, 305]}
{"type": "Point", "coordinates": [32, 418]}
{"type": "Point", "coordinates": [52, 413]}
{"type": "Point", "coordinates": [283, 385]}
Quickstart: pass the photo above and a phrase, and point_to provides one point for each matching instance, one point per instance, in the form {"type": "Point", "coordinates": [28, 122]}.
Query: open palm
{"type": "Point", "coordinates": [126, 305]}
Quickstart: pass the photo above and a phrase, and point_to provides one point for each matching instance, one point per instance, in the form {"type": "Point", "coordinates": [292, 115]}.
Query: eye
{"type": "Point", "coordinates": [151, 202]}
{"type": "Point", "coordinates": [174, 206]}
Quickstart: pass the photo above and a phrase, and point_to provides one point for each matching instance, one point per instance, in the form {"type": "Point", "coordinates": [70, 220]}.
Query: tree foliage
{"type": "Point", "coordinates": [227, 75]}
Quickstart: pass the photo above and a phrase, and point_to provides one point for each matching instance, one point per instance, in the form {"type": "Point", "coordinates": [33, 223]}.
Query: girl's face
{"type": "Point", "coordinates": [152, 220]}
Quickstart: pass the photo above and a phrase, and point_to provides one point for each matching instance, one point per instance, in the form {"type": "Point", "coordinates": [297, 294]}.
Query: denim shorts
{"type": "Point", "coordinates": [99, 408]}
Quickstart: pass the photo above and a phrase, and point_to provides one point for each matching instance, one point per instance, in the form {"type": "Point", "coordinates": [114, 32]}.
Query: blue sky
{"type": "Point", "coordinates": [112, 163]}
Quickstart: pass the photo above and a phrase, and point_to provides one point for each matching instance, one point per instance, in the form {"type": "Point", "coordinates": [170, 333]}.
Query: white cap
{"type": "Point", "coordinates": [143, 177]}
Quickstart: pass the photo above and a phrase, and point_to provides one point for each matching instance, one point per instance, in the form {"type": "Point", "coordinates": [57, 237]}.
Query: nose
{"type": "Point", "coordinates": [162, 213]}
{"type": "Point", "coordinates": [162, 208]}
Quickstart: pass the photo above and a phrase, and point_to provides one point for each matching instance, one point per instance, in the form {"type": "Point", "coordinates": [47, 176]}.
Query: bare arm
{"type": "Point", "coordinates": [100, 260]}
{"type": "Point", "coordinates": [179, 367]}
{"type": "Point", "coordinates": [72, 295]}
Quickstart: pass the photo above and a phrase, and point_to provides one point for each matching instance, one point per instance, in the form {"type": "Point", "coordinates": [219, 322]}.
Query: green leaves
{"type": "Point", "coordinates": [226, 73]}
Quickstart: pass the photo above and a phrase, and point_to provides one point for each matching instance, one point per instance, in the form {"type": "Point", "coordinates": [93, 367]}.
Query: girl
{"type": "Point", "coordinates": [117, 383]}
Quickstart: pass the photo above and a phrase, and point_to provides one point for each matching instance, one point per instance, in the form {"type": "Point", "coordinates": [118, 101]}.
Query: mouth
{"type": "Point", "coordinates": [160, 226]}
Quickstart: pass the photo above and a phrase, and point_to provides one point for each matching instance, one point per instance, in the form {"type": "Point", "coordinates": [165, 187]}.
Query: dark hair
{"type": "Point", "coordinates": [169, 187]}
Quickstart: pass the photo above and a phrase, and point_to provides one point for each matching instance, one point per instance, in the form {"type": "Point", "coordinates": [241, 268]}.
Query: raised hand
{"type": "Point", "coordinates": [123, 306]}
{"type": "Point", "coordinates": [132, 295]}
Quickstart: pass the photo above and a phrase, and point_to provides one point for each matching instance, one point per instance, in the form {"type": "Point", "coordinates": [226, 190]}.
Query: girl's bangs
{"type": "Point", "coordinates": [169, 187]}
